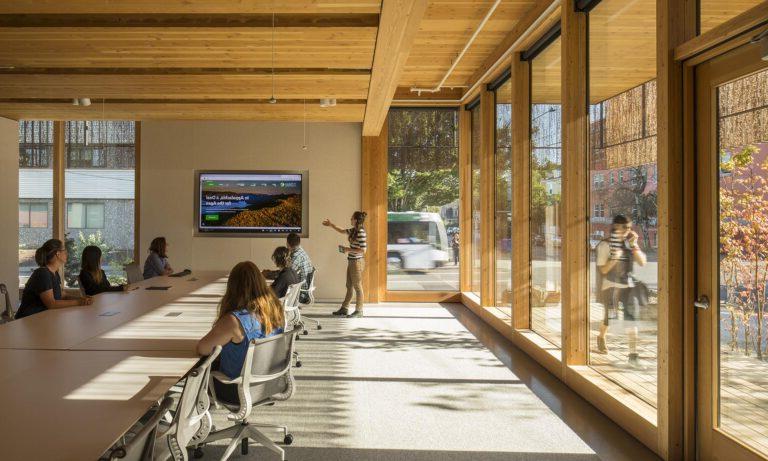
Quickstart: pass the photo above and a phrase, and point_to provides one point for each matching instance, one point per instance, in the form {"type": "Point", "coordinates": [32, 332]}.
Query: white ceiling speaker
{"type": "Point", "coordinates": [328, 102]}
{"type": "Point", "coordinates": [81, 102]}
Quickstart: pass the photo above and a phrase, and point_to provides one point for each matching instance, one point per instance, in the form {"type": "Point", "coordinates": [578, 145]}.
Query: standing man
{"type": "Point", "coordinates": [456, 247]}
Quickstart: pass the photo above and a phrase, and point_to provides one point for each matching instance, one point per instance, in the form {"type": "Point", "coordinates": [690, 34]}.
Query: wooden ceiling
{"type": "Point", "coordinates": [149, 59]}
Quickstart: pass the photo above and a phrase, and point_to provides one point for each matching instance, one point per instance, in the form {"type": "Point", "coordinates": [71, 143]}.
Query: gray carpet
{"type": "Point", "coordinates": [410, 382]}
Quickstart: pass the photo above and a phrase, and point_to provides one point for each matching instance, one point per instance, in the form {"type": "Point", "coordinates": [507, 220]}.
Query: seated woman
{"type": "Point", "coordinates": [157, 261]}
{"type": "Point", "coordinates": [43, 289]}
{"type": "Point", "coordinates": [249, 310]}
{"type": "Point", "coordinates": [285, 275]}
{"type": "Point", "coordinates": [92, 278]}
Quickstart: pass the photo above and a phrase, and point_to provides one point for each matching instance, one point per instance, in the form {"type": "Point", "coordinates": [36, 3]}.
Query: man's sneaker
{"type": "Point", "coordinates": [357, 313]}
{"type": "Point", "coordinates": [342, 311]}
{"type": "Point", "coordinates": [634, 359]}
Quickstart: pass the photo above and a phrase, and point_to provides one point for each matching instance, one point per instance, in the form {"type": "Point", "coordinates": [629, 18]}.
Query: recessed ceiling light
{"type": "Point", "coordinates": [328, 102]}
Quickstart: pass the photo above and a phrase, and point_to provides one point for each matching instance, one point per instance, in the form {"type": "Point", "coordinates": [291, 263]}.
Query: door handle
{"type": "Point", "coordinates": [702, 302]}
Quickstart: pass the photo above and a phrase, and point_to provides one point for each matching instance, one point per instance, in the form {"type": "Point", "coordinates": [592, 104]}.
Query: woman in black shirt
{"type": "Point", "coordinates": [92, 278]}
{"type": "Point", "coordinates": [285, 276]}
{"type": "Point", "coordinates": [43, 289]}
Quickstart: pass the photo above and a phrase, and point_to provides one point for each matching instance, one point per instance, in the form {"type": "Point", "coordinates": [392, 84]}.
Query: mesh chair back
{"type": "Point", "coordinates": [292, 295]}
{"type": "Point", "coordinates": [270, 367]}
{"type": "Point", "coordinates": [192, 421]}
{"type": "Point", "coordinates": [307, 296]}
{"type": "Point", "coordinates": [142, 446]}
{"type": "Point", "coordinates": [133, 272]}
{"type": "Point", "coordinates": [8, 313]}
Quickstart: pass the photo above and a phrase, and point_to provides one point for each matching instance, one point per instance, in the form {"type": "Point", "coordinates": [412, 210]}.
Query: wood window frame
{"type": "Point", "coordinates": [58, 214]}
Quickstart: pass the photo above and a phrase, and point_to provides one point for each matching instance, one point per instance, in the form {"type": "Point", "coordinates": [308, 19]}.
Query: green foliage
{"type": "Point", "coordinates": [423, 160]}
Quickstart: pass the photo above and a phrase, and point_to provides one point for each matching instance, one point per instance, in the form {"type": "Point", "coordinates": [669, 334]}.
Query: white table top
{"type": "Point", "coordinates": [66, 328]}
{"type": "Point", "coordinates": [73, 405]}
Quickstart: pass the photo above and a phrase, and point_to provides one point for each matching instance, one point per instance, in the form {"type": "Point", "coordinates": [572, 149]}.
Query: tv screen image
{"type": "Point", "coordinates": [257, 203]}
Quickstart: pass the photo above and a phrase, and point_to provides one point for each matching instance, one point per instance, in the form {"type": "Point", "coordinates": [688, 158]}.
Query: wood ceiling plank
{"type": "Point", "coordinates": [398, 26]}
{"type": "Point", "coordinates": [446, 28]}
{"type": "Point", "coordinates": [188, 6]}
{"type": "Point", "coordinates": [217, 86]}
{"type": "Point", "coordinates": [131, 47]}
{"type": "Point", "coordinates": [184, 111]}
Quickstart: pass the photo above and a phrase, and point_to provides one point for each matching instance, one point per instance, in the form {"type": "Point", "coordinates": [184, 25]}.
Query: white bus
{"type": "Point", "coordinates": [416, 241]}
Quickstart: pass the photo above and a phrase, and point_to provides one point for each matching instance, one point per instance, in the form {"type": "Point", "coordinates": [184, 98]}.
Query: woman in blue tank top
{"type": "Point", "coordinates": [249, 310]}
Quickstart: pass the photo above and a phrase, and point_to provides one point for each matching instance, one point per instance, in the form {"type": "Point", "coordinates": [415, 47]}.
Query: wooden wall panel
{"type": "Point", "coordinates": [521, 187]}
{"type": "Point", "coordinates": [575, 133]}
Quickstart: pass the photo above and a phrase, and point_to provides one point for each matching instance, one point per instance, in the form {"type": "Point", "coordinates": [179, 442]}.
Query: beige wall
{"type": "Point", "coordinates": [9, 208]}
{"type": "Point", "coordinates": [172, 150]}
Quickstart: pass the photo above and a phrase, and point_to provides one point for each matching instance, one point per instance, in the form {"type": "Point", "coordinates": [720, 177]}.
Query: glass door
{"type": "Point", "coordinates": [732, 256]}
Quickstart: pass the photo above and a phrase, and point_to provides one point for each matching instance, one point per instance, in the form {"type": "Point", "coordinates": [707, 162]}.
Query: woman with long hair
{"type": "Point", "coordinates": [157, 260]}
{"type": "Point", "coordinates": [43, 288]}
{"type": "Point", "coordinates": [249, 310]}
{"type": "Point", "coordinates": [92, 278]}
{"type": "Point", "coordinates": [355, 252]}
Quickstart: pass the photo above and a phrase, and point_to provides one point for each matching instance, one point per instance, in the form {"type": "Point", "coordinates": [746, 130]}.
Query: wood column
{"type": "Point", "coordinates": [487, 198]}
{"type": "Point", "coordinates": [676, 20]}
{"type": "Point", "coordinates": [465, 200]}
{"type": "Point", "coordinates": [59, 165]}
{"type": "Point", "coordinates": [575, 197]}
{"type": "Point", "coordinates": [373, 185]}
{"type": "Point", "coordinates": [521, 192]}
{"type": "Point", "coordinates": [137, 194]}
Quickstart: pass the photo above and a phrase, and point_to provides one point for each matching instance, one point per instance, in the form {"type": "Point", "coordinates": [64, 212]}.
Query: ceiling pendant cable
{"type": "Point", "coordinates": [272, 100]}
{"type": "Point", "coordinates": [304, 146]}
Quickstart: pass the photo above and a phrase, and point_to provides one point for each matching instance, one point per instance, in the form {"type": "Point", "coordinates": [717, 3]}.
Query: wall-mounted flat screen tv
{"type": "Point", "coordinates": [251, 203]}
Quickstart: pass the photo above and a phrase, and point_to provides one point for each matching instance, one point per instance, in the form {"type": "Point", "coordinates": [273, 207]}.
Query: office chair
{"type": "Point", "coordinates": [291, 305]}
{"type": "Point", "coordinates": [265, 379]}
{"type": "Point", "coordinates": [133, 272]}
{"type": "Point", "coordinates": [141, 447]}
{"type": "Point", "coordinates": [310, 292]}
{"type": "Point", "coordinates": [191, 422]}
{"type": "Point", "coordinates": [8, 314]}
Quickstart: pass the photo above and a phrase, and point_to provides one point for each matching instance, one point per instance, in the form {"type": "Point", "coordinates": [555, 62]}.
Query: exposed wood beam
{"type": "Point", "coordinates": [514, 35]}
{"type": "Point", "coordinates": [187, 47]}
{"type": "Point", "coordinates": [398, 24]}
{"type": "Point", "coordinates": [188, 6]}
{"type": "Point", "coordinates": [182, 111]}
{"type": "Point", "coordinates": [188, 20]}
{"type": "Point", "coordinates": [220, 86]}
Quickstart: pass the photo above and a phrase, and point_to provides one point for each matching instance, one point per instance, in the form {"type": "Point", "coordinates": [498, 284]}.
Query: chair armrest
{"type": "Point", "coordinates": [224, 379]}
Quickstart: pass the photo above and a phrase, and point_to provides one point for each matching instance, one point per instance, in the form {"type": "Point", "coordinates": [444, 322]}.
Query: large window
{"type": "Point", "coordinates": [503, 199]}
{"type": "Point", "coordinates": [35, 191]}
{"type": "Point", "coordinates": [99, 191]}
{"type": "Point", "coordinates": [475, 230]}
{"type": "Point", "coordinates": [546, 182]}
{"type": "Point", "coordinates": [423, 200]}
{"type": "Point", "coordinates": [623, 226]}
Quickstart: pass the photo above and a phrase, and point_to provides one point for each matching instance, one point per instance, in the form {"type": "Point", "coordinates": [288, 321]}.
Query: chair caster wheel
{"type": "Point", "coordinates": [305, 333]}
{"type": "Point", "coordinates": [288, 439]}
{"type": "Point", "coordinates": [197, 453]}
{"type": "Point", "coordinates": [298, 364]}
{"type": "Point", "coordinates": [319, 327]}
{"type": "Point", "coordinates": [298, 337]}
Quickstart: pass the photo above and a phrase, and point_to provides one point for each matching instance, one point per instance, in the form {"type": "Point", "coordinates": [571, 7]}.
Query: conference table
{"type": "Point", "coordinates": [74, 380]}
